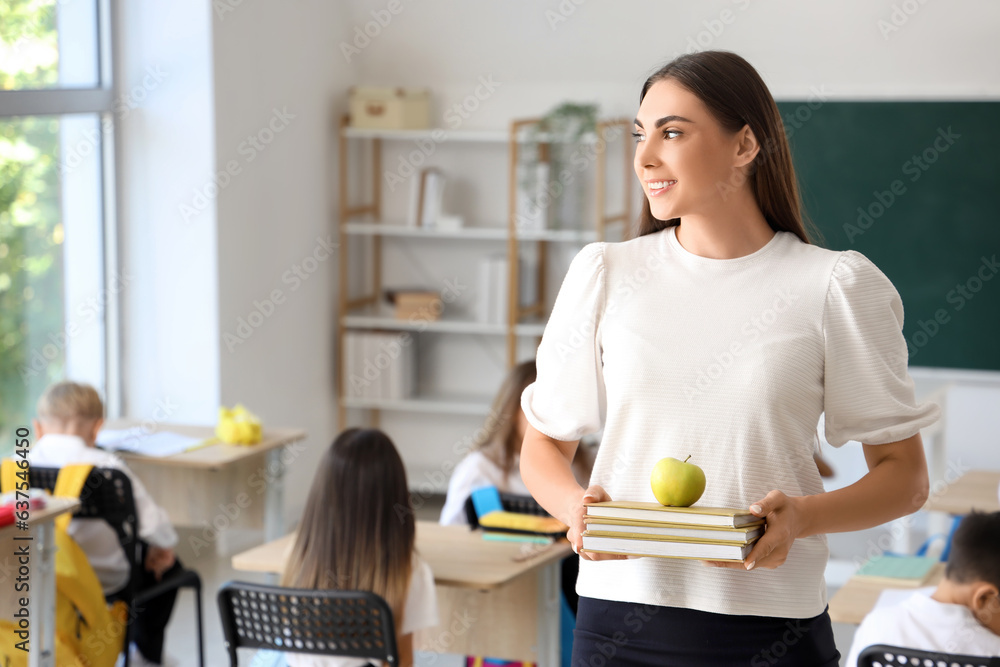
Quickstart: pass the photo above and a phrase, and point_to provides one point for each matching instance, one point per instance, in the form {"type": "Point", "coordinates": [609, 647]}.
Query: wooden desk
{"type": "Point", "coordinates": [858, 597]}
{"type": "Point", "coordinates": [218, 486]}
{"type": "Point", "coordinates": [42, 577]}
{"type": "Point", "coordinates": [976, 489]}
{"type": "Point", "coordinates": [496, 599]}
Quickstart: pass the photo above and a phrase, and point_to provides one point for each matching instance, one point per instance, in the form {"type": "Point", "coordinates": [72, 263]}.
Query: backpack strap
{"type": "Point", "coordinates": [69, 484]}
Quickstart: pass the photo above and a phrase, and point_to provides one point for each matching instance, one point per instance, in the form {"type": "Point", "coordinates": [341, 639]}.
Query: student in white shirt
{"type": "Point", "coordinates": [69, 417]}
{"type": "Point", "coordinates": [719, 330]}
{"type": "Point", "coordinates": [494, 458]}
{"type": "Point", "coordinates": [358, 532]}
{"type": "Point", "coordinates": [495, 461]}
{"type": "Point", "coordinates": [962, 615]}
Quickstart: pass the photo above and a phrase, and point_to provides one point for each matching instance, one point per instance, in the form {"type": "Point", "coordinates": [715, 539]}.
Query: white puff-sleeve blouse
{"type": "Point", "coordinates": [731, 361]}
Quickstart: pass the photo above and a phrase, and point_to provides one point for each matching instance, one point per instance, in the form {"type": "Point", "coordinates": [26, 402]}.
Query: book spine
{"type": "Point", "coordinates": [528, 267]}
{"type": "Point", "coordinates": [500, 289]}
{"type": "Point", "coordinates": [385, 370]}
{"type": "Point", "coordinates": [371, 371]}
{"type": "Point", "coordinates": [410, 381]}
{"type": "Point", "coordinates": [485, 292]}
{"type": "Point", "coordinates": [413, 210]}
{"type": "Point", "coordinates": [712, 520]}
{"type": "Point", "coordinates": [350, 364]}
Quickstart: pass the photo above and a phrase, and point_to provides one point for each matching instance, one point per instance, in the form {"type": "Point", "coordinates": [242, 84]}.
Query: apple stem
{"type": "Point", "coordinates": [686, 460]}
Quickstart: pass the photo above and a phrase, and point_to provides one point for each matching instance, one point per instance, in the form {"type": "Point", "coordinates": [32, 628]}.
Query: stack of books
{"type": "Point", "coordinates": [491, 300]}
{"type": "Point", "coordinates": [650, 529]}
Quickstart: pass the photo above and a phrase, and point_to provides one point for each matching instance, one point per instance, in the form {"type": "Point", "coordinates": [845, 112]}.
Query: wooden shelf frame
{"type": "Point", "coordinates": [515, 327]}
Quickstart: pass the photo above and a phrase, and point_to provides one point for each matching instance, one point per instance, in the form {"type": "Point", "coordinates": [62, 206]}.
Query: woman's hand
{"type": "Point", "coordinates": [784, 524]}
{"type": "Point", "coordinates": [593, 494]}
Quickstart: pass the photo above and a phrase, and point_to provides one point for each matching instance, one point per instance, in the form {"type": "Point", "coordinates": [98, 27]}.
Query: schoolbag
{"type": "Point", "coordinates": [88, 633]}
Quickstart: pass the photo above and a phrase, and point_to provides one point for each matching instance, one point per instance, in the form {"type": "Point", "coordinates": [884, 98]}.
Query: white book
{"type": "Point", "coordinates": [349, 365]}
{"type": "Point", "coordinates": [527, 279]}
{"type": "Point", "coordinates": [413, 209]}
{"type": "Point", "coordinates": [484, 308]}
{"type": "Point", "coordinates": [499, 298]}
{"type": "Point", "coordinates": [666, 548]}
{"type": "Point", "coordinates": [410, 369]}
{"type": "Point", "coordinates": [399, 367]}
{"type": "Point", "coordinates": [370, 371]}
{"type": "Point", "coordinates": [649, 528]}
{"type": "Point", "coordinates": [378, 360]}
{"type": "Point", "coordinates": [432, 197]}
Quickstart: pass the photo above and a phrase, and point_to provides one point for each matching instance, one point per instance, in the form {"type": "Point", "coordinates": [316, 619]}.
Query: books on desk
{"type": "Point", "coordinates": [650, 529]}
{"type": "Point", "coordinates": [899, 571]}
{"type": "Point", "coordinates": [138, 440]}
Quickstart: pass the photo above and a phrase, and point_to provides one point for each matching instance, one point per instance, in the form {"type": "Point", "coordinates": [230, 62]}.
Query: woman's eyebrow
{"type": "Point", "coordinates": [665, 120]}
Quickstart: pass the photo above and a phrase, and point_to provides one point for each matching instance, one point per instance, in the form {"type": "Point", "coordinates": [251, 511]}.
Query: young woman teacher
{"type": "Point", "coordinates": [721, 332]}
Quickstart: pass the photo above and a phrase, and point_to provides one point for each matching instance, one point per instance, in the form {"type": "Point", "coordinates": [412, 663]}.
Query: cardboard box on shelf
{"type": "Point", "coordinates": [390, 108]}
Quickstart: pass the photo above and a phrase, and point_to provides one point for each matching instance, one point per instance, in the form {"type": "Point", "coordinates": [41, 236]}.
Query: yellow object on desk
{"type": "Point", "coordinates": [518, 521]}
{"type": "Point", "coordinates": [238, 426]}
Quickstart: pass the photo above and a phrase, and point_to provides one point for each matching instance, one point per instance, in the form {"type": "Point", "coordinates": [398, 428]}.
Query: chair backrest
{"type": "Point", "coordinates": [355, 624]}
{"type": "Point", "coordinates": [107, 495]}
{"type": "Point", "coordinates": [882, 655]}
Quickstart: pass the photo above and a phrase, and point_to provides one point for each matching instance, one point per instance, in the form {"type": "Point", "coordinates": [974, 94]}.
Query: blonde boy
{"type": "Point", "coordinates": [69, 417]}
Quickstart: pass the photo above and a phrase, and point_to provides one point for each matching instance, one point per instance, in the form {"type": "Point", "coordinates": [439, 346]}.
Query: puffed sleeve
{"type": "Point", "coordinates": [567, 399]}
{"type": "Point", "coordinates": [868, 391]}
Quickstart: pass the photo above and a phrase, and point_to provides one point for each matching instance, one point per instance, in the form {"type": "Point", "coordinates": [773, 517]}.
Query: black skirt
{"type": "Point", "coordinates": [624, 633]}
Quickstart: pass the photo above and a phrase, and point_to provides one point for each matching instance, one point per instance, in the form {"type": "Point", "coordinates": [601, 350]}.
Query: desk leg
{"type": "Point", "coordinates": [42, 601]}
{"type": "Point", "coordinates": [274, 508]}
{"type": "Point", "coordinates": [549, 603]}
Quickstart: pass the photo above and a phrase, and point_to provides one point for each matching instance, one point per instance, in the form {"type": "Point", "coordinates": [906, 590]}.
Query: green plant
{"type": "Point", "coordinates": [568, 123]}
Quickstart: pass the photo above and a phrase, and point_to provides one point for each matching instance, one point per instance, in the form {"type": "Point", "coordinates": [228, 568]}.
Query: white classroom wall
{"type": "Point", "coordinates": [269, 55]}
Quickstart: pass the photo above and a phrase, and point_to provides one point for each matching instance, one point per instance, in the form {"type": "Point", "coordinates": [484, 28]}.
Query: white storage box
{"type": "Point", "coordinates": [390, 108]}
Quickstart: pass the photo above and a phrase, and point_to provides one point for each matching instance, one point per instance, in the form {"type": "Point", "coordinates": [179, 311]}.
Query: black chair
{"type": "Point", "coordinates": [356, 624]}
{"type": "Point", "coordinates": [107, 495]}
{"type": "Point", "coordinates": [881, 655]}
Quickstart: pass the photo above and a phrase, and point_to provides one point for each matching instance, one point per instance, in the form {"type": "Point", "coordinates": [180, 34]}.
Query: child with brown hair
{"type": "Point", "coordinates": [358, 533]}
{"type": "Point", "coordinates": [494, 458]}
{"type": "Point", "coordinates": [962, 615]}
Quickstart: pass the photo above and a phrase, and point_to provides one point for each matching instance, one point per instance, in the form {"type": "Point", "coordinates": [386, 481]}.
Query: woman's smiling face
{"type": "Point", "coordinates": [684, 159]}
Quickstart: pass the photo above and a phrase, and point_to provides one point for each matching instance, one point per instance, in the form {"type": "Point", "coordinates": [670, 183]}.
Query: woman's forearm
{"type": "Point", "coordinates": [547, 471]}
{"type": "Point", "coordinates": [894, 487]}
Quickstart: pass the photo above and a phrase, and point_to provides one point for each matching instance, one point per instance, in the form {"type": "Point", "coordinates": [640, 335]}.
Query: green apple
{"type": "Point", "coordinates": [677, 483]}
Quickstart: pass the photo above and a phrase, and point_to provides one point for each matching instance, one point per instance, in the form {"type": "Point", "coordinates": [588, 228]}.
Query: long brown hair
{"type": "Point", "coordinates": [358, 529]}
{"type": "Point", "coordinates": [499, 439]}
{"type": "Point", "coordinates": [736, 96]}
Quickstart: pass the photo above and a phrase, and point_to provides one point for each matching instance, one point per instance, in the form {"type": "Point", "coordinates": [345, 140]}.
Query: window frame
{"type": "Point", "coordinates": [98, 100]}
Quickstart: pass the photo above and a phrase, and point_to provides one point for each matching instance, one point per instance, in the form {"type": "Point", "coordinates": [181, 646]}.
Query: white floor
{"type": "Point", "coordinates": [181, 643]}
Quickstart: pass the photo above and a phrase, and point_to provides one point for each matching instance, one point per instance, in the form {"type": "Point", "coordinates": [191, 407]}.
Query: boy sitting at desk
{"type": "Point", "coordinates": [962, 615]}
{"type": "Point", "coordinates": [69, 417]}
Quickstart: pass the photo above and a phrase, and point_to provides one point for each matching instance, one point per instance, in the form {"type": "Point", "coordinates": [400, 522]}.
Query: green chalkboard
{"type": "Point", "coordinates": [915, 187]}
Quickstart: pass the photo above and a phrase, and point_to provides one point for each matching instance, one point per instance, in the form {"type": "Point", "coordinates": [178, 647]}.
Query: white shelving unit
{"type": "Point", "coordinates": [369, 312]}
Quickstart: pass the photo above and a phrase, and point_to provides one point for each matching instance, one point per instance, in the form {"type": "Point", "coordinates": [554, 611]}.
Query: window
{"type": "Point", "coordinates": [58, 284]}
